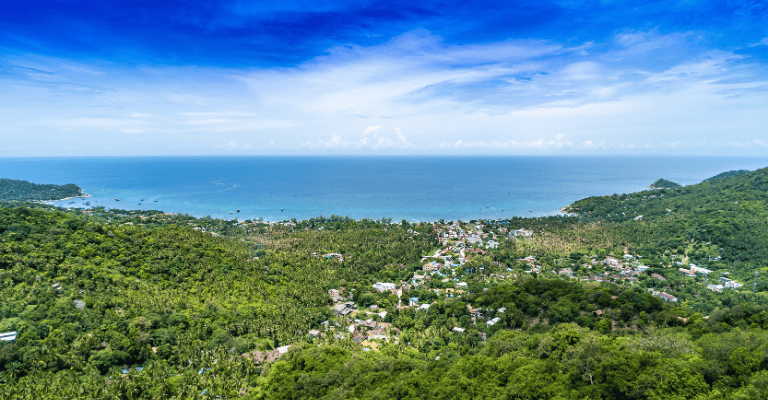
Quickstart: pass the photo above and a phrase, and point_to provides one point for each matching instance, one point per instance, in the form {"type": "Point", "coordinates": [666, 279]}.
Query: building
{"type": "Point", "coordinates": [8, 336]}
{"type": "Point", "coordinates": [383, 287]}
{"type": "Point", "coordinates": [687, 272]}
{"type": "Point", "coordinates": [664, 296]}
{"type": "Point", "coordinates": [659, 277]}
{"type": "Point", "coordinates": [521, 233]}
{"type": "Point", "coordinates": [566, 271]}
{"type": "Point", "coordinates": [730, 283]}
{"type": "Point", "coordinates": [699, 270]}
{"type": "Point", "coordinates": [715, 288]}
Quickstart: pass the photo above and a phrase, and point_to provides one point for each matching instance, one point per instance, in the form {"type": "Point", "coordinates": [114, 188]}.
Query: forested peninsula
{"type": "Point", "coordinates": [17, 190]}
{"type": "Point", "coordinates": [650, 295]}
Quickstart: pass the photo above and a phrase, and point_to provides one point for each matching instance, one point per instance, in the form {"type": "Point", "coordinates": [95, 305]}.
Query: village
{"type": "Point", "coordinates": [450, 274]}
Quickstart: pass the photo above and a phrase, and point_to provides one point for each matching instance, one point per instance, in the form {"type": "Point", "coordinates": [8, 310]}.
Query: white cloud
{"type": "Point", "coordinates": [763, 42]}
{"type": "Point", "coordinates": [336, 142]}
{"type": "Point", "coordinates": [460, 144]}
{"type": "Point", "coordinates": [653, 91]}
{"type": "Point", "coordinates": [380, 142]}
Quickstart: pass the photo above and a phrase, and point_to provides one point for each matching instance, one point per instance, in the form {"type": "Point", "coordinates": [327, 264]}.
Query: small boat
{"type": "Point", "coordinates": [238, 210]}
{"type": "Point", "coordinates": [116, 199]}
{"type": "Point", "coordinates": [282, 209]}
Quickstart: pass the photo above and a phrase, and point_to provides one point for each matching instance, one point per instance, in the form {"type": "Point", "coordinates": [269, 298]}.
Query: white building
{"type": "Point", "coordinates": [383, 287]}
{"type": "Point", "coordinates": [697, 269]}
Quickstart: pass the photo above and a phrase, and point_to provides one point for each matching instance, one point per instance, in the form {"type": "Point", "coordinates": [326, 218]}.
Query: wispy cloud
{"type": "Point", "coordinates": [629, 89]}
{"type": "Point", "coordinates": [378, 142]}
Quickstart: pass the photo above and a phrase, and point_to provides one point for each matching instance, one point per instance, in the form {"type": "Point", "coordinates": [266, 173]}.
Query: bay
{"type": "Point", "coordinates": [415, 188]}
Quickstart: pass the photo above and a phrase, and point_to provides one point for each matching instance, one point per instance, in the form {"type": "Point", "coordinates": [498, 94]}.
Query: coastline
{"type": "Point", "coordinates": [83, 196]}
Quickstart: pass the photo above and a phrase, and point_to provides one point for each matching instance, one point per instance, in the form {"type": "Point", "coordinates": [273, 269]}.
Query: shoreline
{"type": "Point", "coordinates": [287, 219]}
{"type": "Point", "coordinates": [83, 196]}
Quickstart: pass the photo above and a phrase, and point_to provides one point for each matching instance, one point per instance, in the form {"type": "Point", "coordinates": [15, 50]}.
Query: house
{"type": "Point", "coordinates": [494, 321]}
{"type": "Point", "coordinates": [699, 270]}
{"type": "Point", "coordinates": [8, 336]}
{"type": "Point", "coordinates": [715, 288]}
{"type": "Point", "coordinates": [521, 233]}
{"type": "Point", "coordinates": [343, 309]}
{"type": "Point", "coordinates": [531, 260]}
{"type": "Point", "coordinates": [383, 287]}
{"type": "Point", "coordinates": [313, 333]}
{"type": "Point", "coordinates": [459, 330]}
{"type": "Point", "coordinates": [666, 296]}
{"type": "Point", "coordinates": [475, 312]}
{"type": "Point", "coordinates": [687, 272]}
{"type": "Point", "coordinates": [612, 262]}
{"type": "Point", "coordinates": [283, 349]}
{"type": "Point", "coordinates": [369, 345]}
{"type": "Point", "coordinates": [259, 357]}
{"type": "Point", "coordinates": [566, 271]}
{"type": "Point", "coordinates": [730, 283]}
{"type": "Point", "coordinates": [357, 337]}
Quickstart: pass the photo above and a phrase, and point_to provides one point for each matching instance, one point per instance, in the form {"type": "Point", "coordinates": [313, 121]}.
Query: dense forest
{"type": "Point", "coordinates": [137, 304]}
{"type": "Point", "coordinates": [11, 189]}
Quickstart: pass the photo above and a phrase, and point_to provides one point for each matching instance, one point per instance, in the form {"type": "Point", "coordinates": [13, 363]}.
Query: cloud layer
{"type": "Point", "coordinates": [358, 78]}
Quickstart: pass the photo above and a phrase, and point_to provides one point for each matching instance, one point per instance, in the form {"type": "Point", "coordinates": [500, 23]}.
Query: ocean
{"type": "Point", "coordinates": [414, 188]}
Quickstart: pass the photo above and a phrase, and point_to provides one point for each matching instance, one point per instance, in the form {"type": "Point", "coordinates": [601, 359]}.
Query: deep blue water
{"type": "Point", "coordinates": [414, 188]}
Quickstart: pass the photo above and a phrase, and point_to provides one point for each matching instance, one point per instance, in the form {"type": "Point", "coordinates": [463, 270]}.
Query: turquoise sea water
{"type": "Point", "coordinates": [412, 188]}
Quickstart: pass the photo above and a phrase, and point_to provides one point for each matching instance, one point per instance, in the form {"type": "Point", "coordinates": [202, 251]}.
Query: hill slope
{"type": "Point", "coordinates": [17, 190]}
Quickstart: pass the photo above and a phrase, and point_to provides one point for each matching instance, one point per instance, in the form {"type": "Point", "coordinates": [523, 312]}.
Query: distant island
{"type": "Point", "coordinates": [664, 184]}
{"type": "Point", "coordinates": [18, 190]}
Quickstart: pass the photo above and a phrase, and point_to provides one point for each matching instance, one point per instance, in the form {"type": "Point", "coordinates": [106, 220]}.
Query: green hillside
{"type": "Point", "coordinates": [143, 304]}
{"type": "Point", "coordinates": [11, 189]}
{"type": "Point", "coordinates": [664, 184]}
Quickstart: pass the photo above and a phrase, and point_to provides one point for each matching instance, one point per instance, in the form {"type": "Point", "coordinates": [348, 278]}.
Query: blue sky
{"type": "Point", "coordinates": [358, 77]}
